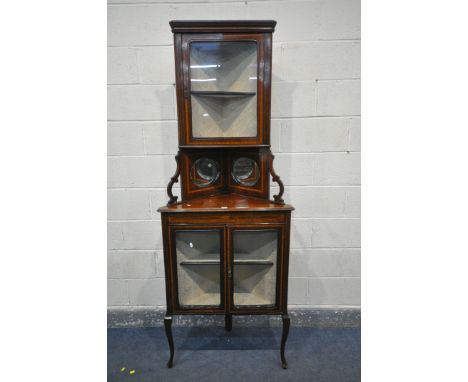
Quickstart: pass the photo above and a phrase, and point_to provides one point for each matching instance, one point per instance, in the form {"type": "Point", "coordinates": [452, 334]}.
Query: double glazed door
{"type": "Point", "coordinates": [226, 268]}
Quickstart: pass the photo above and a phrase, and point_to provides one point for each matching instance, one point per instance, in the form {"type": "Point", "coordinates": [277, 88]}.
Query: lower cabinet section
{"type": "Point", "coordinates": [226, 268]}
{"type": "Point", "coordinates": [235, 264]}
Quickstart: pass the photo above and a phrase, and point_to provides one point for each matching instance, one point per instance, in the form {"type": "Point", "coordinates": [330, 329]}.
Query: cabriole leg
{"type": "Point", "coordinates": [228, 322]}
{"type": "Point", "coordinates": [284, 337]}
{"type": "Point", "coordinates": [168, 327]}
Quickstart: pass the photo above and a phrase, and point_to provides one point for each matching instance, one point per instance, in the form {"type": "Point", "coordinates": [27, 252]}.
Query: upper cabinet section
{"type": "Point", "coordinates": [223, 78]}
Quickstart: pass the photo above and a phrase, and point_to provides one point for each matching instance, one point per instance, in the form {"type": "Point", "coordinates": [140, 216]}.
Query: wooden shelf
{"type": "Point", "coordinates": [253, 262]}
{"type": "Point", "coordinates": [222, 94]}
{"type": "Point", "coordinates": [236, 262]}
{"type": "Point", "coordinates": [226, 203]}
{"type": "Point", "coordinates": [200, 262]}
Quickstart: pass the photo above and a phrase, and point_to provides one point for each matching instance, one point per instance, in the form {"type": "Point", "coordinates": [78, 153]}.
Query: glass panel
{"type": "Point", "coordinates": [245, 171]}
{"type": "Point", "coordinates": [204, 172]}
{"type": "Point", "coordinates": [223, 84]}
{"type": "Point", "coordinates": [254, 269]}
{"type": "Point", "coordinates": [198, 267]}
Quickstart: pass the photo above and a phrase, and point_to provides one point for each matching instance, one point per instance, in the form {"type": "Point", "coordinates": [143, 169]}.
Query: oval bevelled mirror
{"type": "Point", "coordinates": [204, 171]}
{"type": "Point", "coordinates": [245, 171]}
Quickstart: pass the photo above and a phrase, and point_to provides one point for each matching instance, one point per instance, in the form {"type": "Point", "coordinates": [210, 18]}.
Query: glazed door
{"type": "Point", "coordinates": [255, 267]}
{"type": "Point", "coordinates": [198, 272]}
{"type": "Point", "coordinates": [224, 87]}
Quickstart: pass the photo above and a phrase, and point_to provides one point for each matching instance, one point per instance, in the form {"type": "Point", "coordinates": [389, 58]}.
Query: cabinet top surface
{"type": "Point", "coordinates": [226, 203]}
{"type": "Point", "coordinates": [195, 26]}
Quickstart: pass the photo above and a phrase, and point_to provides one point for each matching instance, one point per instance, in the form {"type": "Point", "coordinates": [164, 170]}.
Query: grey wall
{"type": "Point", "coordinates": [315, 136]}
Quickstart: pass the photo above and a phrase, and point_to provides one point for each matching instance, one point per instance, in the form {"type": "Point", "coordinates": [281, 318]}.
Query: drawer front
{"type": "Point", "coordinates": [231, 218]}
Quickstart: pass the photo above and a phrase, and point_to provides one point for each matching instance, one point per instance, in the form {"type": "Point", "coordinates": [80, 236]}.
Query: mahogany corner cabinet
{"type": "Point", "coordinates": [226, 244]}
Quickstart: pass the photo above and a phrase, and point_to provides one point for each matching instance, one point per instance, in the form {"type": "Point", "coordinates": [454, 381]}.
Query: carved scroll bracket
{"type": "Point", "coordinates": [277, 198]}
{"type": "Point", "coordinates": [174, 179]}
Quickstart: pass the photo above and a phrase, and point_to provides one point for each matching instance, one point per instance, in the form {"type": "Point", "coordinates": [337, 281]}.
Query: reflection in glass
{"type": "Point", "coordinates": [223, 80]}
{"type": "Point", "coordinates": [228, 66]}
{"type": "Point", "coordinates": [245, 171]}
{"type": "Point", "coordinates": [204, 172]}
{"type": "Point", "coordinates": [198, 267]}
{"type": "Point", "coordinates": [255, 265]}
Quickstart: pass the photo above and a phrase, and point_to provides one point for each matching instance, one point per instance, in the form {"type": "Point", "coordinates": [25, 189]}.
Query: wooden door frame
{"type": "Point", "coordinates": [258, 227]}
{"type": "Point", "coordinates": [173, 284]}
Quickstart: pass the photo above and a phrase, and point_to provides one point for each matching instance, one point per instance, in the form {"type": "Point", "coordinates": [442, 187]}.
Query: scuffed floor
{"type": "Point", "coordinates": [244, 354]}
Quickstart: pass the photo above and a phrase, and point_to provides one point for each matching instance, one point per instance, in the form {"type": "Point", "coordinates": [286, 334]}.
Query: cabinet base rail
{"type": "Point", "coordinates": [228, 326]}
